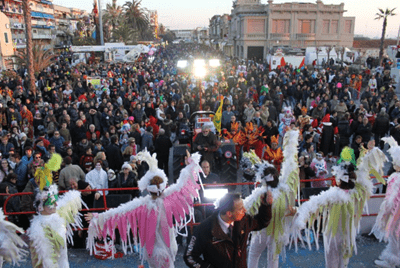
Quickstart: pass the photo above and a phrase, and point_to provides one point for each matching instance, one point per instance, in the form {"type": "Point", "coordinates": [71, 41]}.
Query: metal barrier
{"type": "Point", "coordinates": [136, 188]}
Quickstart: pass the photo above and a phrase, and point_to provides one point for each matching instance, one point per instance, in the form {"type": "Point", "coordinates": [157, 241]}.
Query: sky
{"type": "Point", "coordinates": [189, 14]}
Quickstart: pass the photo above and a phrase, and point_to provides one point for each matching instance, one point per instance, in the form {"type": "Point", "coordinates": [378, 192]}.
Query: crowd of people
{"type": "Point", "coordinates": [143, 105]}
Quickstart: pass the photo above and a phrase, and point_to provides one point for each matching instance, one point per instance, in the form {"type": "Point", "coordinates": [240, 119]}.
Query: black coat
{"type": "Point", "coordinates": [162, 145]}
{"type": "Point", "coordinates": [381, 125]}
{"type": "Point", "coordinates": [115, 156]}
{"type": "Point", "coordinates": [217, 248]}
{"type": "Point", "coordinates": [131, 181]}
{"type": "Point", "coordinates": [344, 132]}
{"type": "Point", "coordinates": [365, 132]}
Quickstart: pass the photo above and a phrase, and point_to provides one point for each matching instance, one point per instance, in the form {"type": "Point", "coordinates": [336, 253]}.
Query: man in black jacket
{"type": "Point", "coordinates": [222, 237]}
{"type": "Point", "coordinates": [114, 152]}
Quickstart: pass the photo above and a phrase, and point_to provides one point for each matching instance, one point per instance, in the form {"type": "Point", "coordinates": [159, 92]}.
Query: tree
{"type": "Point", "coordinates": [112, 14]}
{"type": "Point", "coordinates": [136, 16]}
{"type": "Point", "coordinates": [42, 56]}
{"type": "Point", "coordinates": [124, 33]}
{"type": "Point", "coordinates": [328, 51]}
{"type": "Point", "coordinates": [29, 54]}
{"type": "Point", "coordinates": [383, 14]}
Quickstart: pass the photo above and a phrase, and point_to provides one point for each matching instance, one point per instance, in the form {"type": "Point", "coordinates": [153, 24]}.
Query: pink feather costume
{"type": "Point", "coordinates": [151, 220]}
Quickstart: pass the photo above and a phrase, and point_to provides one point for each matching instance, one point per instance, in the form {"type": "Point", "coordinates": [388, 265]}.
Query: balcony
{"type": "Point", "coordinates": [305, 36]}
{"type": "Point", "coordinates": [255, 36]}
{"type": "Point", "coordinates": [279, 36]}
{"type": "Point", "coordinates": [41, 36]}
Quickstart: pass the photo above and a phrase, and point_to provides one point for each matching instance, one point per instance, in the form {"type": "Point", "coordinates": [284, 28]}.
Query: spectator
{"type": "Point", "coordinates": [206, 144]}
{"type": "Point", "coordinates": [381, 127]}
{"type": "Point", "coordinates": [356, 145]}
{"type": "Point", "coordinates": [364, 130]}
{"type": "Point", "coordinates": [207, 176]}
{"type": "Point", "coordinates": [114, 152]}
{"type": "Point", "coordinates": [127, 178]}
{"type": "Point", "coordinates": [57, 140]}
{"type": "Point", "coordinates": [147, 140]}
{"type": "Point", "coordinates": [162, 145]}
{"type": "Point", "coordinates": [69, 171]}
{"type": "Point", "coordinates": [98, 179]}
{"type": "Point", "coordinates": [6, 146]}
{"type": "Point", "coordinates": [5, 169]}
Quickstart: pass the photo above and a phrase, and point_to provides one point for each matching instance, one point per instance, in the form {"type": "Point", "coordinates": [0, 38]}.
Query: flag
{"type": "Point", "coordinates": [283, 62]}
{"type": "Point", "coordinates": [301, 64]}
{"type": "Point", "coordinates": [218, 115]}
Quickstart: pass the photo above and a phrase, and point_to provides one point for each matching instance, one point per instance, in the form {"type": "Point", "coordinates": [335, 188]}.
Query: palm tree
{"type": "Point", "coordinates": [42, 57]}
{"type": "Point", "coordinates": [136, 16]}
{"type": "Point", "coordinates": [29, 54]}
{"type": "Point", "coordinates": [124, 33]}
{"type": "Point", "coordinates": [383, 14]}
{"type": "Point", "coordinates": [112, 14]}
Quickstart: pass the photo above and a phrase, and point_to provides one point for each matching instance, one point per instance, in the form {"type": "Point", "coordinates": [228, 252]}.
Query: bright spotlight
{"type": "Point", "coordinates": [214, 193]}
{"type": "Point", "coordinates": [198, 63]}
{"type": "Point", "coordinates": [182, 63]}
{"type": "Point", "coordinates": [200, 71]}
{"type": "Point", "coordinates": [214, 63]}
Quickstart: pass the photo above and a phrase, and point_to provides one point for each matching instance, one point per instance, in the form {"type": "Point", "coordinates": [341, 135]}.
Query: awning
{"type": "Point", "coordinates": [46, 2]}
{"type": "Point", "coordinates": [36, 14]}
{"type": "Point", "coordinates": [41, 15]}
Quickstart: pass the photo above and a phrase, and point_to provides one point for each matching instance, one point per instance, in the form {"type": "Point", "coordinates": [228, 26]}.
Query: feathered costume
{"type": "Point", "coordinates": [338, 212]}
{"type": "Point", "coordinates": [387, 226]}
{"type": "Point", "coordinates": [149, 219]}
{"type": "Point", "coordinates": [48, 234]}
{"type": "Point", "coordinates": [276, 235]}
{"type": "Point", "coordinates": [248, 166]}
{"type": "Point", "coordinates": [11, 245]}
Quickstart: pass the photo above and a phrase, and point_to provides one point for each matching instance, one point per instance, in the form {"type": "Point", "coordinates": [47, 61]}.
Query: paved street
{"type": "Point", "coordinates": [368, 250]}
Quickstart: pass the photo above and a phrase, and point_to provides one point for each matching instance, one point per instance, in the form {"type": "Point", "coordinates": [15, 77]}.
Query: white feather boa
{"type": "Point", "coordinates": [11, 245]}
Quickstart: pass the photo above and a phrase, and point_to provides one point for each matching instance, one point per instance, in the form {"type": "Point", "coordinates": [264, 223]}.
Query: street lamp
{"type": "Point", "coordinates": [199, 71]}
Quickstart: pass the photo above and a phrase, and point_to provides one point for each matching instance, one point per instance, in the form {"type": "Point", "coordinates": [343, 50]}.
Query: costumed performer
{"type": "Point", "coordinates": [248, 165]}
{"type": "Point", "coordinates": [387, 226]}
{"type": "Point", "coordinates": [338, 210]}
{"type": "Point", "coordinates": [11, 244]}
{"type": "Point", "coordinates": [151, 217]}
{"type": "Point", "coordinates": [52, 227]}
{"type": "Point", "coordinates": [273, 154]}
{"type": "Point", "coordinates": [284, 188]}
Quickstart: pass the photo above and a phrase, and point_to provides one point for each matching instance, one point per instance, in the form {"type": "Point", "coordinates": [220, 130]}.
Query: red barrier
{"type": "Point", "coordinates": [136, 188]}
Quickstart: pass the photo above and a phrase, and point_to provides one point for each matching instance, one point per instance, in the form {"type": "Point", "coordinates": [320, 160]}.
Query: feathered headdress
{"type": "Point", "coordinates": [394, 150]}
{"type": "Point", "coordinates": [275, 139]}
{"type": "Point", "coordinates": [347, 163]}
{"type": "Point", "coordinates": [144, 183]}
{"type": "Point", "coordinates": [248, 162]}
{"type": "Point", "coordinates": [47, 194]}
{"type": "Point", "coordinates": [43, 175]}
{"type": "Point", "coordinates": [260, 176]}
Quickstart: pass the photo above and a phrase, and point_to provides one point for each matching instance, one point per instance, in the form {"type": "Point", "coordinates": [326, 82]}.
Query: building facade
{"type": "Point", "coordinates": [256, 27]}
{"type": "Point", "coordinates": [184, 35]}
{"type": "Point", "coordinates": [219, 31]}
{"type": "Point", "coordinates": [153, 18]}
{"type": "Point", "coordinates": [6, 45]}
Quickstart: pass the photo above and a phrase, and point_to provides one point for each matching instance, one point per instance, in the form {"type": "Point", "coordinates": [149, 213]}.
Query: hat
{"type": "Point", "coordinates": [126, 165]}
{"type": "Point", "coordinates": [339, 85]}
{"type": "Point", "coordinates": [22, 135]}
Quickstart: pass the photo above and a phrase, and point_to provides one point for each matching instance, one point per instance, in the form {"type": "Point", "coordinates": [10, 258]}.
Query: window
{"type": "Point", "coordinates": [280, 26]}
{"type": "Point", "coordinates": [334, 26]}
{"type": "Point", "coordinates": [347, 26]}
{"type": "Point", "coordinates": [306, 26]}
{"type": "Point", "coordinates": [255, 26]}
{"type": "Point", "coordinates": [325, 27]}
{"type": "Point", "coordinates": [6, 38]}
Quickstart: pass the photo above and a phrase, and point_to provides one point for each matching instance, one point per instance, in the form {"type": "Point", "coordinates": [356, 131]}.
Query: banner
{"type": "Point", "coordinates": [218, 115]}
{"type": "Point", "coordinates": [95, 82]}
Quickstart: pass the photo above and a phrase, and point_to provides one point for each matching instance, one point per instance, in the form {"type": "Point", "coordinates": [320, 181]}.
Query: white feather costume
{"type": "Point", "coordinates": [387, 226]}
{"type": "Point", "coordinates": [338, 212]}
{"type": "Point", "coordinates": [276, 235]}
{"type": "Point", "coordinates": [49, 233]}
{"type": "Point", "coordinates": [151, 220]}
{"type": "Point", "coordinates": [11, 245]}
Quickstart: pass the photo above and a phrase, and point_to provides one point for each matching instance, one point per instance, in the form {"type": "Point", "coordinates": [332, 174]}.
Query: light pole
{"type": "Point", "coordinates": [101, 24]}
